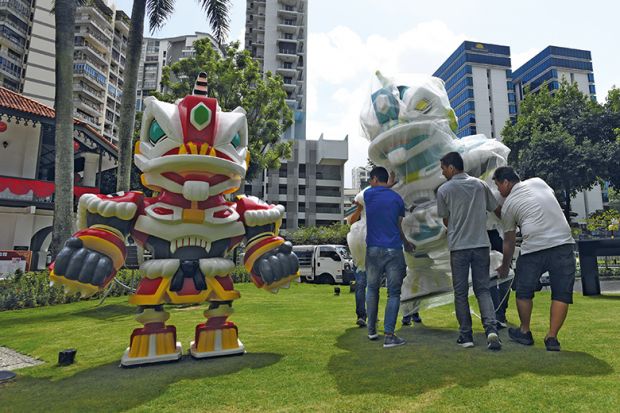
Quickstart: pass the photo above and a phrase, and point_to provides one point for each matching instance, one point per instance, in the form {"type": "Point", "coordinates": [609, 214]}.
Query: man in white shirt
{"type": "Point", "coordinates": [547, 246]}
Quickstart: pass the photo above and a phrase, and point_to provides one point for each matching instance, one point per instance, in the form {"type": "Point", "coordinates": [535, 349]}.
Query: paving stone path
{"type": "Point", "coordinates": [12, 360]}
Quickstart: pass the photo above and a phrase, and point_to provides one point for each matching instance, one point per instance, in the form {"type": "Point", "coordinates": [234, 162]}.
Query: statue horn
{"type": "Point", "coordinates": [200, 87]}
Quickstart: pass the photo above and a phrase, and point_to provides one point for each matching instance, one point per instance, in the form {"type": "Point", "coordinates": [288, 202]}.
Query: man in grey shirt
{"type": "Point", "coordinates": [463, 203]}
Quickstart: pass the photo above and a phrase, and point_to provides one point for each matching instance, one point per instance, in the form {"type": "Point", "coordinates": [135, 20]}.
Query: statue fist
{"type": "Point", "coordinates": [75, 262]}
{"type": "Point", "coordinates": [277, 264]}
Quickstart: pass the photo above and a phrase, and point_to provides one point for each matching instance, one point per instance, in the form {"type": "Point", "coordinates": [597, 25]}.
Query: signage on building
{"type": "Point", "coordinates": [479, 47]}
{"type": "Point", "coordinates": [11, 261]}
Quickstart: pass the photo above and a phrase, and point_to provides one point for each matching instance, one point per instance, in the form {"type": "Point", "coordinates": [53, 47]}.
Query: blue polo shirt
{"type": "Point", "coordinates": [383, 207]}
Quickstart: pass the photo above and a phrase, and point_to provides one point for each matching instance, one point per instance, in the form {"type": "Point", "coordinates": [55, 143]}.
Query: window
{"type": "Point", "coordinates": [326, 252]}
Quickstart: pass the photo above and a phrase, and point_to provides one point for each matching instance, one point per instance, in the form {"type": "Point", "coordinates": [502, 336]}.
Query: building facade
{"type": "Point", "coordinates": [552, 65]}
{"type": "Point", "coordinates": [310, 184]}
{"type": "Point", "coordinates": [478, 80]}
{"type": "Point", "coordinates": [275, 36]}
{"type": "Point", "coordinates": [27, 58]}
{"type": "Point", "coordinates": [360, 177]}
{"type": "Point", "coordinates": [157, 53]}
{"type": "Point", "coordinates": [27, 170]}
{"type": "Point", "coordinates": [549, 67]}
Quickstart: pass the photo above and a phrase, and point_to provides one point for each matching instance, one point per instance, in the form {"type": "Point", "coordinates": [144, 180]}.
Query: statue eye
{"type": "Point", "coordinates": [156, 133]}
{"type": "Point", "coordinates": [236, 141]}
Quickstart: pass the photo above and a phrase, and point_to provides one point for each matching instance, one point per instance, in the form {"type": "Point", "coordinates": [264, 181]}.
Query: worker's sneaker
{"type": "Point", "coordinates": [493, 341]}
{"type": "Point", "coordinates": [465, 340]}
{"type": "Point", "coordinates": [552, 344]}
{"type": "Point", "coordinates": [361, 322]}
{"type": "Point", "coordinates": [392, 340]}
{"type": "Point", "coordinates": [372, 335]}
{"type": "Point", "coordinates": [520, 337]}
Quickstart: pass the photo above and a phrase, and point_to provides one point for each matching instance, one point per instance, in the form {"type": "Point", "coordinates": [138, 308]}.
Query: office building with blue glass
{"type": "Point", "coordinates": [552, 65]}
{"type": "Point", "coordinates": [478, 80]}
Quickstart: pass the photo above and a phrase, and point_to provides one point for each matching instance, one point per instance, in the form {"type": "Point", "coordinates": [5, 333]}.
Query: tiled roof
{"type": "Point", "coordinates": [15, 101]}
{"type": "Point", "coordinates": [19, 102]}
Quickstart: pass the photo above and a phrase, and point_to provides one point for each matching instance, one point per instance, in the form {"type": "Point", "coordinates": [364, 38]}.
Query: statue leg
{"type": "Point", "coordinates": [155, 342]}
{"type": "Point", "coordinates": [216, 337]}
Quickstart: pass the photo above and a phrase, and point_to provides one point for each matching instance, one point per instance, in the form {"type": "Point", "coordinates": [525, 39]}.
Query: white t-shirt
{"type": "Point", "coordinates": [532, 207]}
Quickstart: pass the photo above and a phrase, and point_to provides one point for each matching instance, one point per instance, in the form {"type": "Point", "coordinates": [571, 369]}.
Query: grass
{"type": "Point", "coordinates": [305, 354]}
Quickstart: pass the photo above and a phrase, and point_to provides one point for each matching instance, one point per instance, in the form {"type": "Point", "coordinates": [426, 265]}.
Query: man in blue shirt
{"type": "Point", "coordinates": [385, 210]}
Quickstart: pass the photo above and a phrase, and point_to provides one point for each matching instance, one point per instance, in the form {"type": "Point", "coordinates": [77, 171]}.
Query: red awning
{"type": "Point", "coordinates": [40, 189]}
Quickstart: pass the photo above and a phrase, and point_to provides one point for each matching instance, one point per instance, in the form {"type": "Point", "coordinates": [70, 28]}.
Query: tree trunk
{"type": "Point", "coordinates": [63, 101]}
{"type": "Point", "coordinates": [128, 101]}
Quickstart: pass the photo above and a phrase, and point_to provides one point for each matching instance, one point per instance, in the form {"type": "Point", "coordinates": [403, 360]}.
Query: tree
{"type": "Point", "coordinates": [332, 234]}
{"type": "Point", "coordinates": [63, 102]}
{"type": "Point", "coordinates": [158, 11]}
{"type": "Point", "coordinates": [562, 139]}
{"type": "Point", "coordinates": [235, 80]}
{"type": "Point", "coordinates": [612, 112]}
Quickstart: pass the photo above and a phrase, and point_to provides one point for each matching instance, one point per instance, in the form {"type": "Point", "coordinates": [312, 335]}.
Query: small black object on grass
{"type": "Point", "coordinates": [66, 357]}
{"type": "Point", "coordinates": [6, 375]}
{"type": "Point", "coordinates": [336, 290]}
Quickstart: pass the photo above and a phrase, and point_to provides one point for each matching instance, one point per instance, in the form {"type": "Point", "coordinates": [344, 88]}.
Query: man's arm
{"type": "Point", "coordinates": [409, 247]}
{"type": "Point", "coordinates": [356, 215]}
{"type": "Point", "coordinates": [508, 250]}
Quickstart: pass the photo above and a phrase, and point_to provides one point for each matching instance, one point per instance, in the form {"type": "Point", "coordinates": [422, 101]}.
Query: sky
{"type": "Point", "coordinates": [348, 40]}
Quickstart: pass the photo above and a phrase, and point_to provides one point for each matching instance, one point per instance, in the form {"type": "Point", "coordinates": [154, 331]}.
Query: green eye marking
{"type": "Point", "coordinates": [236, 141]}
{"type": "Point", "coordinates": [156, 133]}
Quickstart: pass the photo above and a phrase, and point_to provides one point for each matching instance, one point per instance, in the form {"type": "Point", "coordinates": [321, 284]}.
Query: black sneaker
{"type": "Point", "coordinates": [372, 335]}
{"type": "Point", "coordinates": [520, 337]}
{"type": "Point", "coordinates": [493, 341]}
{"type": "Point", "coordinates": [361, 322]}
{"type": "Point", "coordinates": [416, 318]}
{"type": "Point", "coordinates": [465, 340]}
{"type": "Point", "coordinates": [552, 344]}
{"type": "Point", "coordinates": [392, 340]}
{"type": "Point", "coordinates": [406, 321]}
{"type": "Point", "coordinates": [501, 324]}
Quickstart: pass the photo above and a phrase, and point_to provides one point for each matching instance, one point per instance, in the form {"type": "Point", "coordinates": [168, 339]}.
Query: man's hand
{"type": "Point", "coordinates": [502, 271]}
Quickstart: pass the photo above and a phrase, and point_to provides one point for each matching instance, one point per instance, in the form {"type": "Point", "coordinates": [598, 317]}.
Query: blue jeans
{"type": "Point", "coordinates": [360, 294]}
{"type": "Point", "coordinates": [478, 260]}
{"type": "Point", "coordinates": [390, 261]}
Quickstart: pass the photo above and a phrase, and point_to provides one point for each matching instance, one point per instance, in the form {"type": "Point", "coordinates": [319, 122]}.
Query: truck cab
{"type": "Point", "coordinates": [324, 264]}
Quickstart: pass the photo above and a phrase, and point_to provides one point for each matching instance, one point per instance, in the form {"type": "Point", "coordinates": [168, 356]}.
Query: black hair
{"type": "Point", "coordinates": [381, 173]}
{"type": "Point", "coordinates": [454, 159]}
{"type": "Point", "coordinates": [504, 173]}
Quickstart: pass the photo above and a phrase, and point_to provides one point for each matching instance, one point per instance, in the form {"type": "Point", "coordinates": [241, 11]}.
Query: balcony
{"type": "Point", "coordinates": [23, 191]}
{"type": "Point", "coordinates": [288, 14]}
{"type": "Point", "coordinates": [92, 92]}
{"type": "Point", "coordinates": [19, 8]}
{"type": "Point", "coordinates": [286, 71]}
{"type": "Point", "coordinates": [84, 45]}
{"type": "Point", "coordinates": [16, 41]}
{"type": "Point", "coordinates": [288, 27]}
{"type": "Point", "coordinates": [9, 23]}
{"type": "Point", "coordinates": [287, 55]}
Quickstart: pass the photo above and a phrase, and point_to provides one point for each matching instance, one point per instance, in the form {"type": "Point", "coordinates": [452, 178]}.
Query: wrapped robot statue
{"type": "Point", "coordinates": [192, 155]}
{"type": "Point", "coordinates": [410, 126]}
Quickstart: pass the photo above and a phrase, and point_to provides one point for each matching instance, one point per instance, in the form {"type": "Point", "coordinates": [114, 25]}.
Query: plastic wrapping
{"type": "Point", "coordinates": [410, 125]}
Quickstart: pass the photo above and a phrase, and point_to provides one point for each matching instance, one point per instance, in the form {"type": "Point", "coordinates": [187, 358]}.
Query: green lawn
{"type": "Point", "coordinates": [305, 354]}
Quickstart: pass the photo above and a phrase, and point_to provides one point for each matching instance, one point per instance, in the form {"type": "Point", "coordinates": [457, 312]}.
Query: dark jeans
{"type": "Point", "coordinates": [360, 294]}
{"type": "Point", "coordinates": [478, 260]}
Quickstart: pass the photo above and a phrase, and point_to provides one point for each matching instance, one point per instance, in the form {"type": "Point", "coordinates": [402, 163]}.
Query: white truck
{"type": "Point", "coordinates": [324, 264]}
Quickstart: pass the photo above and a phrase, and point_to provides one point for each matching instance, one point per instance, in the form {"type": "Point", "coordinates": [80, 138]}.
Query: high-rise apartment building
{"type": "Point", "coordinates": [310, 185]}
{"type": "Point", "coordinates": [15, 24]}
{"type": "Point", "coordinates": [157, 53]}
{"type": "Point", "coordinates": [478, 80]}
{"type": "Point", "coordinates": [27, 57]}
{"type": "Point", "coordinates": [275, 36]}
{"type": "Point", "coordinates": [552, 65]}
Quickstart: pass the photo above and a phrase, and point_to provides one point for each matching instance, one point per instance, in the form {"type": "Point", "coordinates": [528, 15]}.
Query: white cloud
{"type": "Point", "coordinates": [341, 66]}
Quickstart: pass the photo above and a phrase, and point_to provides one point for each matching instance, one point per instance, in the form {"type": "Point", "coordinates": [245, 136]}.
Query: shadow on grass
{"type": "Point", "coordinates": [431, 360]}
{"type": "Point", "coordinates": [110, 388]}
{"type": "Point", "coordinates": [107, 312]}
{"type": "Point", "coordinates": [605, 297]}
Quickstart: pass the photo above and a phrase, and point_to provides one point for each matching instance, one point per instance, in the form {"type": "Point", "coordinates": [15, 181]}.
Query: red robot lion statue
{"type": "Point", "coordinates": [191, 154]}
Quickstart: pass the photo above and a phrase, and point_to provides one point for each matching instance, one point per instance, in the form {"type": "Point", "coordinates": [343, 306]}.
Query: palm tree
{"type": "Point", "coordinates": [158, 11]}
{"type": "Point", "coordinates": [63, 178]}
